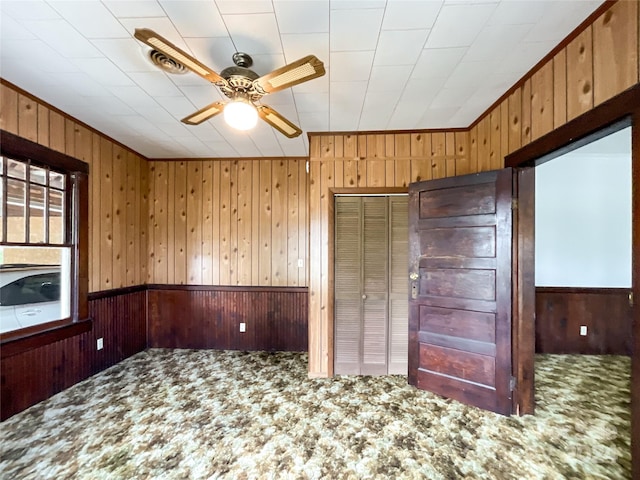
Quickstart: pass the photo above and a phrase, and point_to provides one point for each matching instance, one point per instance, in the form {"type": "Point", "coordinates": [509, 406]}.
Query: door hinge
{"type": "Point", "coordinates": [514, 203]}
{"type": "Point", "coordinates": [631, 299]}
{"type": "Point", "coordinates": [512, 383]}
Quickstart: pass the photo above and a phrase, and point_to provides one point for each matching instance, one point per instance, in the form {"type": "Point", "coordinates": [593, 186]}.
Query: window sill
{"type": "Point", "coordinates": [17, 345]}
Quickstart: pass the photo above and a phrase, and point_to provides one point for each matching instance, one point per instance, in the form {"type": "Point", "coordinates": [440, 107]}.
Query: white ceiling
{"type": "Point", "coordinates": [391, 64]}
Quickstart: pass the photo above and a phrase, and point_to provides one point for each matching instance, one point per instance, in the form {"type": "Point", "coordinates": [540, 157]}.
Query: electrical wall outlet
{"type": "Point", "coordinates": [301, 263]}
{"type": "Point", "coordinates": [583, 330]}
{"type": "Point", "coordinates": [100, 344]}
{"type": "Point", "coordinates": [243, 327]}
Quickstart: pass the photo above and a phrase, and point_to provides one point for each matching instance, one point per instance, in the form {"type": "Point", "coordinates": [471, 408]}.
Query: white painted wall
{"type": "Point", "coordinates": [583, 216]}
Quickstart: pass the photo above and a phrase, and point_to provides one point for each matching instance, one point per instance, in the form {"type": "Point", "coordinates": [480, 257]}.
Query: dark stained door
{"type": "Point", "coordinates": [460, 232]}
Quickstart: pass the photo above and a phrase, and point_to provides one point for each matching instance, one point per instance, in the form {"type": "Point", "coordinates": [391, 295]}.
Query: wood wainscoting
{"type": "Point", "coordinates": [36, 373]}
{"type": "Point", "coordinates": [560, 312]}
{"type": "Point", "coordinates": [186, 316]}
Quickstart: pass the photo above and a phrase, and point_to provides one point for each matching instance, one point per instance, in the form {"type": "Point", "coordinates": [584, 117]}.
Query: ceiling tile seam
{"type": "Point", "coordinates": [414, 67]}
{"type": "Point", "coordinates": [384, 11]}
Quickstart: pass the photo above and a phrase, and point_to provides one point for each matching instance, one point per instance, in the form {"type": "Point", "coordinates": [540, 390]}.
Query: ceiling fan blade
{"type": "Point", "coordinates": [163, 45]}
{"type": "Point", "coordinates": [204, 114]}
{"type": "Point", "coordinates": [302, 70]}
{"type": "Point", "coordinates": [278, 122]}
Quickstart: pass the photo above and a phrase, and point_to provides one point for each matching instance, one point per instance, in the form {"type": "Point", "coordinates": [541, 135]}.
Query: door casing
{"type": "Point", "coordinates": [618, 112]}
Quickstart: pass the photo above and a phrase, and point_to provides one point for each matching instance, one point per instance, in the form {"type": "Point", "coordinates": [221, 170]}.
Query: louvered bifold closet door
{"type": "Point", "coordinates": [375, 274]}
{"type": "Point", "coordinates": [398, 285]}
{"type": "Point", "coordinates": [348, 285]}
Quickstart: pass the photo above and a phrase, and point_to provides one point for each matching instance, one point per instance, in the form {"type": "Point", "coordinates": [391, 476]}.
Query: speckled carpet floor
{"type": "Point", "coordinates": [174, 414]}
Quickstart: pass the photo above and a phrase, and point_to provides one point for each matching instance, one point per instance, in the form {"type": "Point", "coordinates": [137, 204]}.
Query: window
{"type": "Point", "coordinates": [43, 236]}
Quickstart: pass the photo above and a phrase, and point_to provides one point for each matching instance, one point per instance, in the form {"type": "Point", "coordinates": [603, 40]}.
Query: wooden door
{"type": "Point", "coordinates": [460, 249]}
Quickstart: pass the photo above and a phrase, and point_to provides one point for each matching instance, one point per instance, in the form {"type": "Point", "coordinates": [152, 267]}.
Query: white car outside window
{"type": "Point", "coordinates": [29, 295]}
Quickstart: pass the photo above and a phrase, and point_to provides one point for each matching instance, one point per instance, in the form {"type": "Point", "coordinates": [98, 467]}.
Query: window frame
{"type": "Point", "coordinates": [76, 237]}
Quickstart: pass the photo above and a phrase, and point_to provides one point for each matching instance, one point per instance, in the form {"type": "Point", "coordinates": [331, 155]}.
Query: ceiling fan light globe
{"type": "Point", "coordinates": [240, 115]}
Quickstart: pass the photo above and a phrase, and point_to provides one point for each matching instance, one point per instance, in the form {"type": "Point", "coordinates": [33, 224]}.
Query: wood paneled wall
{"type": "Point", "coordinates": [599, 63]}
{"type": "Point", "coordinates": [604, 311]}
{"type": "Point", "coordinates": [35, 375]}
{"type": "Point", "coordinates": [360, 163]}
{"type": "Point", "coordinates": [117, 186]}
{"type": "Point", "coordinates": [229, 222]}
{"type": "Point", "coordinates": [209, 317]}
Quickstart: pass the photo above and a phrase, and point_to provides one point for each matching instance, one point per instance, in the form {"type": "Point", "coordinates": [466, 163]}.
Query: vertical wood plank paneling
{"type": "Point", "coordinates": [8, 109]}
{"type": "Point", "coordinates": [484, 145]}
{"type": "Point", "coordinates": [194, 228]}
{"type": "Point", "coordinates": [473, 149]}
{"type": "Point", "coordinates": [420, 149]}
{"type": "Point", "coordinates": [504, 131]}
{"type": "Point", "coordinates": [56, 132]}
{"type": "Point", "coordinates": [27, 118]}
{"type": "Point", "coordinates": [175, 218]}
{"type": "Point", "coordinates": [390, 164]}
{"type": "Point", "coordinates": [350, 172]}
{"type": "Point", "coordinates": [293, 228]}
{"type": "Point", "coordinates": [580, 74]}
{"type": "Point", "coordinates": [265, 222]}
{"type": "Point", "coordinates": [326, 254]}
{"type": "Point", "coordinates": [177, 210]}
{"type": "Point", "coordinates": [303, 226]}
{"type": "Point", "coordinates": [225, 223]}
{"type": "Point", "coordinates": [245, 222]}
{"type": "Point", "coordinates": [160, 232]}
{"type": "Point", "coordinates": [279, 224]}
{"type": "Point", "coordinates": [69, 137]}
{"type": "Point", "coordinates": [438, 152]}
{"type": "Point", "coordinates": [515, 120]}
{"type": "Point", "coordinates": [316, 338]}
{"type": "Point", "coordinates": [462, 166]}
{"type": "Point", "coordinates": [542, 101]}
{"type": "Point", "coordinates": [119, 217]}
{"type": "Point", "coordinates": [43, 125]}
{"type": "Point", "coordinates": [526, 112]}
{"type": "Point", "coordinates": [615, 50]}
{"type": "Point", "coordinates": [143, 244]}
{"type": "Point", "coordinates": [450, 150]}
{"type": "Point", "coordinates": [560, 88]}
{"type": "Point", "coordinates": [207, 223]}
{"type": "Point", "coordinates": [132, 231]}
{"type": "Point", "coordinates": [95, 204]}
{"type": "Point", "coordinates": [106, 214]}
{"type": "Point", "coordinates": [255, 222]}
{"type": "Point", "coordinates": [151, 241]}
{"type": "Point", "coordinates": [82, 143]}
{"type": "Point", "coordinates": [495, 140]}
{"type": "Point", "coordinates": [233, 227]}
{"type": "Point", "coordinates": [215, 247]}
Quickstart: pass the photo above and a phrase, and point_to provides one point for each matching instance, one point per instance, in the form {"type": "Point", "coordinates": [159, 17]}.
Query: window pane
{"type": "Point", "coordinates": [16, 211]}
{"type": "Point", "coordinates": [38, 175]}
{"type": "Point", "coordinates": [35, 286]}
{"type": "Point", "coordinates": [56, 180]}
{"type": "Point", "coordinates": [37, 224]}
{"type": "Point", "coordinates": [16, 169]}
{"type": "Point", "coordinates": [56, 217]}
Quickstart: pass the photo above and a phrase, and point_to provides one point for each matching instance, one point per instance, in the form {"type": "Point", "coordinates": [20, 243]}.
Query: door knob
{"type": "Point", "coordinates": [364, 297]}
{"type": "Point", "coordinates": [413, 276]}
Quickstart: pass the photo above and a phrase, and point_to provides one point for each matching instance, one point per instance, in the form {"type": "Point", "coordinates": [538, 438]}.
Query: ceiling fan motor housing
{"type": "Point", "coordinates": [240, 78]}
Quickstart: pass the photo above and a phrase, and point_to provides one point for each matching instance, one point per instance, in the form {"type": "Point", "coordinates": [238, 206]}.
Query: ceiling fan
{"type": "Point", "coordinates": [240, 84]}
